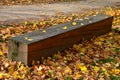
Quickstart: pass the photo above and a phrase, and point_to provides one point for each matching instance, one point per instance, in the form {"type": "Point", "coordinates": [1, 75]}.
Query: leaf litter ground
{"type": "Point", "coordinates": [98, 59]}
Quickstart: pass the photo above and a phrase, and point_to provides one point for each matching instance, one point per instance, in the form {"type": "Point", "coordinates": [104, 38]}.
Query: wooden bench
{"type": "Point", "coordinates": [34, 45]}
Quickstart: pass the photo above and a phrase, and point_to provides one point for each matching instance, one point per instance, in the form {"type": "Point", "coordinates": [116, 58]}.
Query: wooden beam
{"type": "Point", "coordinates": [44, 43]}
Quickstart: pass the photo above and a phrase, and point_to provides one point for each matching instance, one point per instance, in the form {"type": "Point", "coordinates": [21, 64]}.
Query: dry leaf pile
{"type": "Point", "coordinates": [28, 2]}
{"type": "Point", "coordinates": [98, 59]}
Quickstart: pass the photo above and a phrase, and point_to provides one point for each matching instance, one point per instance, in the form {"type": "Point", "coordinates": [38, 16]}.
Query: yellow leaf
{"type": "Point", "coordinates": [34, 25]}
{"type": "Point", "coordinates": [110, 33]}
{"type": "Point", "coordinates": [92, 73]}
{"type": "Point", "coordinates": [76, 47]}
{"type": "Point", "coordinates": [82, 50]}
{"type": "Point", "coordinates": [78, 66]}
{"type": "Point", "coordinates": [74, 23]}
{"type": "Point", "coordinates": [6, 64]}
{"type": "Point", "coordinates": [25, 22]}
{"type": "Point", "coordinates": [21, 67]}
{"type": "Point", "coordinates": [115, 71]}
{"type": "Point", "coordinates": [83, 69]}
{"type": "Point", "coordinates": [44, 31]}
{"type": "Point", "coordinates": [102, 39]}
{"type": "Point", "coordinates": [73, 14]}
{"type": "Point", "coordinates": [99, 43]}
{"type": "Point", "coordinates": [1, 76]}
{"type": "Point", "coordinates": [44, 22]}
{"type": "Point", "coordinates": [30, 39]}
{"type": "Point", "coordinates": [65, 27]}
{"type": "Point", "coordinates": [81, 24]}
{"type": "Point", "coordinates": [40, 72]}
{"type": "Point", "coordinates": [77, 76]}
{"type": "Point", "coordinates": [104, 71]}
{"type": "Point", "coordinates": [11, 69]}
{"type": "Point", "coordinates": [96, 68]}
{"type": "Point", "coordinates": [26, 38]}
{"type": "Point", "coordinates": [1, 53]}
{"type": "Point", "coordinates": [16, 74]}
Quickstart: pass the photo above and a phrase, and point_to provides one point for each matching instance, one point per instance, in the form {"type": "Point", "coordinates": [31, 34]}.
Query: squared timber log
{"type": "Point", "coordinates": [43, 43]}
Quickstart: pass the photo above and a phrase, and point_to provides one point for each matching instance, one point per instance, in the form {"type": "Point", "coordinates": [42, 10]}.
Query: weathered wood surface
{"type": "Point", "coordinates": [32, 46]}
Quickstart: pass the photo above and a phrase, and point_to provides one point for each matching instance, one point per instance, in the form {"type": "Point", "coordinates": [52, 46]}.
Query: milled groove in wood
{"type": "Point", "coordinates": [44, 43]}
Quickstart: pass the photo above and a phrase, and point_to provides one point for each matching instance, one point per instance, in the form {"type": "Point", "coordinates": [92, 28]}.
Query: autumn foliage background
{"type": "Point", "coordinates": [98, 59]}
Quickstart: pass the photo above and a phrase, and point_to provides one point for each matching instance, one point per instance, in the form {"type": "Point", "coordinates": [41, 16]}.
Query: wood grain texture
{"type": "Point", "coordinates": [63, 41]}
{"type": "Point", "coordinates": [46, 44]}
{"type": "Point", "coordinates": [18, 51]}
